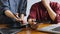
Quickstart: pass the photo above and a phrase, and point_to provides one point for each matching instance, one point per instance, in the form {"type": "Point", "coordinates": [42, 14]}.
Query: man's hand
{"type": "Point", "coordinates": [20, 19]}
{"type": "Point", "coordinates": [17, 19]}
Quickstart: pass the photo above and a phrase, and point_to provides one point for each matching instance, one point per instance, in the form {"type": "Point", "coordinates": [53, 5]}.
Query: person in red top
{"type": "Point", "coordinates": [44, 11]}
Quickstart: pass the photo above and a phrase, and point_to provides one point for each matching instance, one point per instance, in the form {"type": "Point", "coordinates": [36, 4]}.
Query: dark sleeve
{"type": "Point", "coordinates": [56, 8]}
{"type": "Point", "coordinates": [33, 11]}
{"type": "Point", "coordinates": [23, 7]}
{"type": "Point", "coordinates": [4, 5]}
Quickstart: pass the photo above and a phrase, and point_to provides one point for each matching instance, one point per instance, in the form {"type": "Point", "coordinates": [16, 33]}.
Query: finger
{"type": "Point", "coordinates": [17, 15]}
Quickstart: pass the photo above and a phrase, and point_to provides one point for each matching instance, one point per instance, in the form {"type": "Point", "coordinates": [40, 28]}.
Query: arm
{"type": "Point", "coordinates": [50, 11]}
{"type": "Point", "coordinates": [9, 14]}
{"type": "Point", "coordinates": [4, 7]}
{"type": "Point", "coordinates": [23, 8]}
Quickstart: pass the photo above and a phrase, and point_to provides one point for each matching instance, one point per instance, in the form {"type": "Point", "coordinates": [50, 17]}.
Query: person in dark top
{"type": "Point", "coordinates": [12, 12]}
{"type": "Point", "coordinates": [44, 11]}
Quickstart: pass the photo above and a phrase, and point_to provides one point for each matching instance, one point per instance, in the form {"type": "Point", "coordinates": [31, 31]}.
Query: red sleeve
{"type": "Point", "coordinates": [58, 13]}
{"type": "Point", "coordinates": [56, 8]}
{"type": "Point", "coordinates": [33, 10]}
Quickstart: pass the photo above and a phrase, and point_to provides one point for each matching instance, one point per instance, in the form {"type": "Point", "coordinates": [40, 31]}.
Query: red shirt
{"type": "Point", "coordinates": [40, 13]}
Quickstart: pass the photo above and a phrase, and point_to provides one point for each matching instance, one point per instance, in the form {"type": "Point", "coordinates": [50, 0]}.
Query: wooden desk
{"type": "Point", "coordinates": [26, 31]}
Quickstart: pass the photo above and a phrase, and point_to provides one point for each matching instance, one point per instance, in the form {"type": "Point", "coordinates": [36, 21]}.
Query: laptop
{"type": "Point", "coordinates": [54, 28]}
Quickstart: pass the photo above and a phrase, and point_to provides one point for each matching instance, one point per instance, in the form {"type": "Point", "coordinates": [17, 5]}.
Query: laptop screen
{"type": "Point", "coordinates": [56, 29]}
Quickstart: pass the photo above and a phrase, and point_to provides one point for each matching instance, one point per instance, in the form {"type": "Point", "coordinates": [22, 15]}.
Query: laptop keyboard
{"type": "Point", "coordinates": [50, 27]}
{"type": "Point", "coordinates": [56, 29]}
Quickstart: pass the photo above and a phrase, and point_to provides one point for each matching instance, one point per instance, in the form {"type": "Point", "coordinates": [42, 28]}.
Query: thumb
{"type": "Point", "coordinates": [17, 15]}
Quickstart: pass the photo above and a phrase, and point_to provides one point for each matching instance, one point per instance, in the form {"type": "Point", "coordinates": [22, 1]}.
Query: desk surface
{"type": "Point", "coordinates": [30, 31]}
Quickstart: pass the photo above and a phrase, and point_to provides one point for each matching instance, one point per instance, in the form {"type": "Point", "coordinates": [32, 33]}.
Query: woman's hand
{"type": "Point", "coordinates": [31, 21]}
